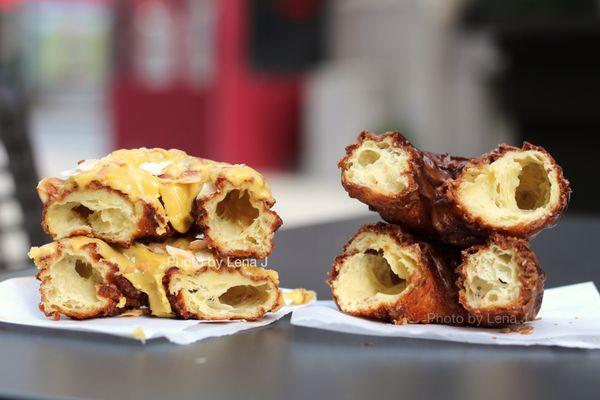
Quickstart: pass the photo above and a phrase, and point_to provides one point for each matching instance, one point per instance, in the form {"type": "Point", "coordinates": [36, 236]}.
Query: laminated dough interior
{"type": "Point", "coordinates": [518, 188]}
{"type": "Point", "coordinates": [375, 273]}
{"type": "Point", "coordinates": [492, 278]}
{"type": "Point", "coordinates": [216, 294]}
{"type": "Point", "coordinates": [239, 222]}
{"type": "Point", "coordinates": [101, 212]}
{"type": "Point", "coordinates": [379, 166]}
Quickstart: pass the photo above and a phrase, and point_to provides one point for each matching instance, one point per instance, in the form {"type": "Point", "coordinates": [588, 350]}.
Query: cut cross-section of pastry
{"type": "Point", "coordinates": [512, 191]}
{"type": "Point", "coordinates": [380, 164]}
{"type": "Point", "coordinates": [500, 283]}
{"type": "Point", "coordinates": [153, 193]}
{"type": "Point", "coordinates": [382, 171]}
{"type": "Point", "coordinates": [234, 212]}
{"type": "Point", "coordinates": [515, 191]}
{"type": "Point", "coordinates": [244, 292]}
{"type": "Point", "coordinates": [386, 274]}
{"type": "Point", "coordinates": [82, 277]}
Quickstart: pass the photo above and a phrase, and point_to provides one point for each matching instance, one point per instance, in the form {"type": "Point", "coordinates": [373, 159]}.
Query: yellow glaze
{"type": "Point", "coordinates": [299, 296]}
{"type": "Point", "coordinates": [143, 265]}
{"type": "Point", "coordinates": [162, 177]}
{"type": "Point", "coordinates": [178, 199]}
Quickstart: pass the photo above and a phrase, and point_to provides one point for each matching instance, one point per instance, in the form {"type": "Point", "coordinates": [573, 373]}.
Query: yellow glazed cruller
{"type": "Point", "coordinates": [154, 193]}
{"type": "Point", "coordinates": [84, 278]}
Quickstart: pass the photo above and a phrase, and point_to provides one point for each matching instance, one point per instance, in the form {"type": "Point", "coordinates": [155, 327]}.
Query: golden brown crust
{"type": "Point", "coordinates": [479, 226]}
{"type": "Point", "coordinates": [182, 310]}
{"type": "Point", "coordinates": [531, 277]}
{"type": "Point", "coordinates": [167, 190]}
{"type": "Point", "coordinates": [146, 226]}
{"type": "Point", "coordinates": [134, 297]}
{"type": "Point", "coordinates": [430, 296]}
{"type": "Point", "coordinates": [202, 219]}
{"type": "Point", "coordinates": [429, 205]}
{"type": "Point", "coordinates": [406, 206]}
{"type": "Point", "coordinates": [110, 289]}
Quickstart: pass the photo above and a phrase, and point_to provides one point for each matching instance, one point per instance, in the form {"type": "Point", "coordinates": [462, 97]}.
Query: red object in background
{"type": "Point", "coordinates": [235, 115]}
{"type": "Point", "coordinates": [8, 5]}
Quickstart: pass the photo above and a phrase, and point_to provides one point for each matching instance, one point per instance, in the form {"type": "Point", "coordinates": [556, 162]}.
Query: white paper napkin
{"type": "Point", "coordinates": [19, 299]}
{"type": "Point", "coordinates": [570, 317]}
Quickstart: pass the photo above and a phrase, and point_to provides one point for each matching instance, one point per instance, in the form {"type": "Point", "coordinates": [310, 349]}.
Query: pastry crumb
{"type": "Point", "coordinates": [135, 312]}
{"type": "Point", "coordinates": [299, 296]}
{"type": "Point", "coordinates": [521, 329]}
{"type": "Point", "coordinates": [138, 333]}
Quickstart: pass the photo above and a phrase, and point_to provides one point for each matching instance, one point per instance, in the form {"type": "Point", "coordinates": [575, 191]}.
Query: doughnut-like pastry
{"type": "Point", "coordinates": [83, 277]}
{"type": "Point", "coordinates": [511, 191]}
{"type": "Point", "coordinates": [385, 274]}
{"type": "Point", "coordinates": [80, 278]}
{"type": "Point", "coordinates": [154, 193]}
{"type": "Point", "coordinates": [500, 283]}
{"type": "Point", "coordinates": [222, 294]}
{"type": "Point", "coordinates": [234, 211]}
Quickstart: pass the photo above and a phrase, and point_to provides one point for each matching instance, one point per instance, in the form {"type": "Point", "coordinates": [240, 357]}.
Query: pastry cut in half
{"type": "Point", "coordinates": [511, 191]}
{"type": "Point", "coordinates": [155, 193]}
{"type": "Point", "coordinates": [387, 275]}
{"type": "Point", "coordinates": [225, 293]}
{"type": "Point", "coordinates": [83, 277]}
{"type": "Point", "coordinates": [500, 283]}
{"type": "Point", "coordinates": [234, 212]}
{"type": "Point", "coordinates": [382, 172]}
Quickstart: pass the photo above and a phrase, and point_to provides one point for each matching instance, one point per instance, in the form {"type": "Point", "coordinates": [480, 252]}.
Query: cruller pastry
{"type": "Point", "coordinates": [153, 193]}
{"type": "Point", "coordinates": [83, 277]}
{"type": "Point", "coordinates": [222, 294]}
{"type": "Point", "coordinates": [386, 274]}
{"type": "Point", "coordinates": [500, 283]}
{"type": "Point", "coordinates": [512, 191]}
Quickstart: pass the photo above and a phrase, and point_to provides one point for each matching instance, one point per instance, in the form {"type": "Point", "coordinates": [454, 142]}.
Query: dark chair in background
{"type": "Point", "coordinates": [17, 185]}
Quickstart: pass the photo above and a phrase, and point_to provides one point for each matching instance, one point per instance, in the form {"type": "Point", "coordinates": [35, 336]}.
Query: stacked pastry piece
{"type": "Point", "coordinates": [469, 261]}
{"type": "Point", "coordinates": [160, 230]}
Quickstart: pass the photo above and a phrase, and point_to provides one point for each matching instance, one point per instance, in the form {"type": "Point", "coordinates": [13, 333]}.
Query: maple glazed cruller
{"type": "Point", "coordinates": [386, 274]}
{"type": "Point", "coordinates": [154, 193]}
{"type": "Point", "coordinates": [500, 282]}
{"type": "Point", "coordinates": [512, 191]}
{"type": "Point", "coordinates": [83, 277]}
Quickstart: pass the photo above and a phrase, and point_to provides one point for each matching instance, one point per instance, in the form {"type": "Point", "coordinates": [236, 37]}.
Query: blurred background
{"type": "Point", "coordinates": [285, 85]}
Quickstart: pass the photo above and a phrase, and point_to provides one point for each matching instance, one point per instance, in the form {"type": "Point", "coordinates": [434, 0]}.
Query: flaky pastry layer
{"type": "Point", "coordinates": [154, 193]}
{"type": "Point", "coordinates": [80, 278]}
{"type": "Point", "coordinates": [511, 191]}
{"type": "Point", "coordinates": [500, 283]}
{"type": "Point", "coordinates": [385, 274]}
{"type": "Point", "coordinates": [83, 277]}
{"type": "Point", "coordinates": [221, 294]}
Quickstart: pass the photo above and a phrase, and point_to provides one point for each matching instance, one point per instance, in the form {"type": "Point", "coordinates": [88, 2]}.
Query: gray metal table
{"type": "Point", "coordinates": [282, 361]}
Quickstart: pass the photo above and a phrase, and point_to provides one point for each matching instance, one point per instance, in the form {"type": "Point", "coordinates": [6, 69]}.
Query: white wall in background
{"type": "Point", "coordinates": [64, 132]}
{"type": "Point", "coordinates": [342, 99]}
{"type": "Point", "coordinates": [401, 65]}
